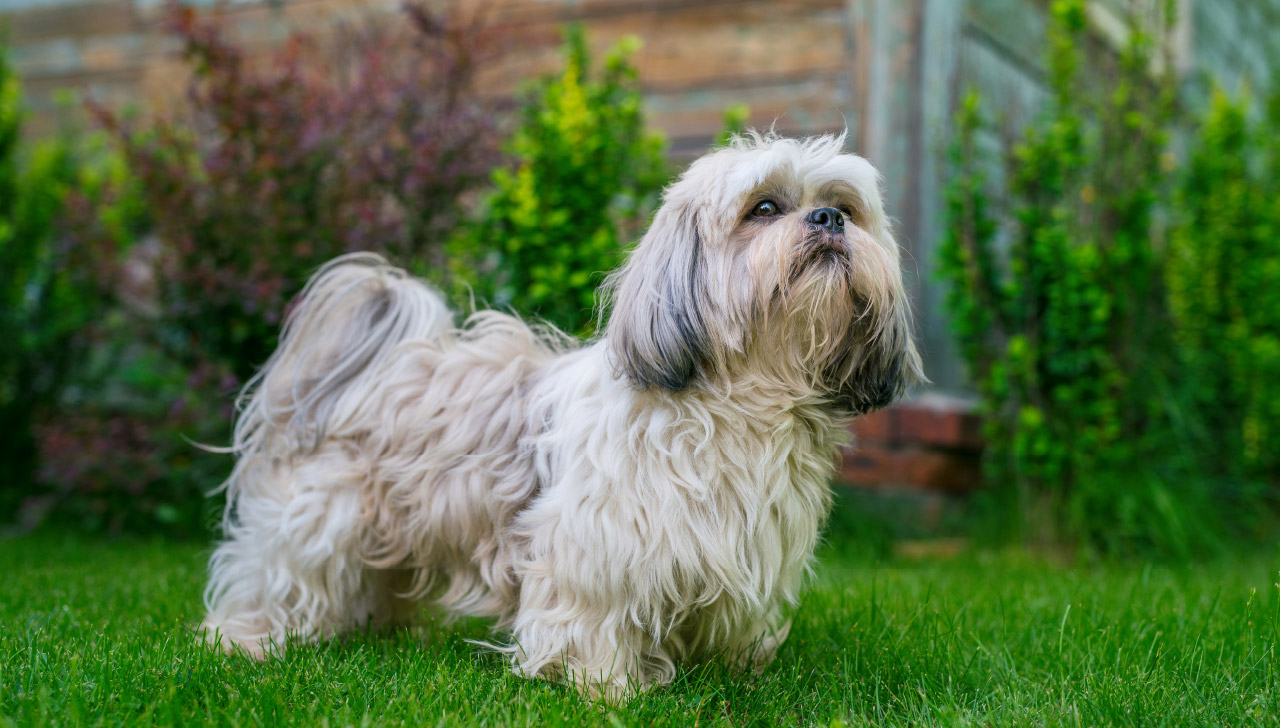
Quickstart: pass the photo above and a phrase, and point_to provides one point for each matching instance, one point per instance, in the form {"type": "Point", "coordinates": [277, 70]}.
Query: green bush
{"type": "Point", "coordinates": [1224, 282]}
{"type": "Point", "coordinates": [60, 239]}
{"type": "Point", "coordinates": [584, 176]}
{"type": "Point", "coordinates": [1056, 298]}
{"type": "Point", "coordinates": [19, 250]}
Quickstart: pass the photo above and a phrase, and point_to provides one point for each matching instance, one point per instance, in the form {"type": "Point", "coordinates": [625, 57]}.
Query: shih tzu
{"type": "Point", "coordinates": [652, 496]}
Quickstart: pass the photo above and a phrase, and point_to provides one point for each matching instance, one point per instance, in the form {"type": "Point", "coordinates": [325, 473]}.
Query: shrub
{"type": "Point", "coordinates": [60, 239]}
{"type": "Point", "coordinates": [20, 251]}
{"type": "Point", "coordinates": [1224, 283]}
{"type": "Point", "coordinates": [367, 141]}
{"type": "Point", "coordinates": [122, 459]}
{"type": "Point", "coordinates": [291, 160]}
{"type": "Point", "coordinates": [583, 178]}
{"type": "Point", "coordinates": [1066, 332]}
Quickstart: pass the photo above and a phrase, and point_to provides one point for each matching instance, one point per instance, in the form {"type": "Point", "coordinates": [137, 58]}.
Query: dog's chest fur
{"type": "Point", "coordinates": [697, 512]}
{"type": "Point", "coordinates": [701, 511]}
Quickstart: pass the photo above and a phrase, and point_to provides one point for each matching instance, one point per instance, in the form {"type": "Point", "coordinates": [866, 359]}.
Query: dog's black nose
{"type": "Point", "coordinates": [827, 217]}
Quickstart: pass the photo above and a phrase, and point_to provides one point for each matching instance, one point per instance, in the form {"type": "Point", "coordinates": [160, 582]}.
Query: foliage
{"type": "Point", "coordinates": [100, 634]}
{"type": "Point", "coordinates": [290, 160]}
{"type": "Point", "coordinates": [733, 124]}
{"type": "Point", "coordinates": [366, 142]}
{"type": "Point", "coordinates": [584, 176]}
{"type": "Point", "coordinates": [1066, 330]}
{"type": "Point", "coordinates": [60, 236]}
{"type": "Point", "coordinates": [1224, 282]}
{"type": "Point", "coordinates": [17, 453]}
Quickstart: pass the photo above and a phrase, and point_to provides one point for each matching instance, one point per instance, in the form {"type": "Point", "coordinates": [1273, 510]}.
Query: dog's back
{"type": "Point", "coordinates": [376, 439]}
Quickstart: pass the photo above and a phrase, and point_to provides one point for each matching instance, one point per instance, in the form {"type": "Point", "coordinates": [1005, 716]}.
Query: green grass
{"type": "Point", "coordinates": [99, 633]}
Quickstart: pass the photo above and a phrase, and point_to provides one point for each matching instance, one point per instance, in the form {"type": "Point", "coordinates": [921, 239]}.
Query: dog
{"type": "Point", "coordinates": [619, 506]}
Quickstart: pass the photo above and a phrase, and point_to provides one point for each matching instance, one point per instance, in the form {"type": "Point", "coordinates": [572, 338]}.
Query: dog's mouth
{"type": "Point", "coordinates": [825, 252]}
{"type": "Point", "coordinates": [821, 250]}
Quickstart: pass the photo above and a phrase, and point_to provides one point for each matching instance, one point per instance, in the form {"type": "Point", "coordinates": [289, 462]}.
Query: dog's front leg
{"type": "Point", "coordinates": [757, 646]}
{"type": "Point", "coordinates": [582, 638]}
{"type": "Point", "coordinates": [591, 596]}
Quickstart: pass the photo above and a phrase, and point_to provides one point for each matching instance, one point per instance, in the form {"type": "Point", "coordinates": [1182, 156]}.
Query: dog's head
{"type": "Point", "coordinates": [770, 259]}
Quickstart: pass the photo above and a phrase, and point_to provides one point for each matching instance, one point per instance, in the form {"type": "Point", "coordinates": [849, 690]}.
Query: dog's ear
{"type": "Point", "coordinates": [883, 369]}
{"type": "Point", "coordinates": [887, 364]}
{"type": "Point", "coordinates": [657, 336]}
{"type": "Point", "coordinates": [885, 376]}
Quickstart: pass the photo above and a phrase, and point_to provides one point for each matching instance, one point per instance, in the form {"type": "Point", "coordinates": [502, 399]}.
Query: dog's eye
{"type": "Point", "coordinates": [768, 208]}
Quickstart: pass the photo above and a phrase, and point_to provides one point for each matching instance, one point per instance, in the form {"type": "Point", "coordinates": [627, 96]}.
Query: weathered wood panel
{"type": "Point", "coordinates": [41, 22]}
{"type": "Point", "coordinates": [788, 60]}
{"type": "Point", "coordinates": [941, 41]}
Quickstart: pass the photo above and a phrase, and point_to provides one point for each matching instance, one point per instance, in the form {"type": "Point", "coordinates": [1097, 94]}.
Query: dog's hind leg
{"type": "Point", "coordinates": [292, 565]}
{"type": "Point", "coordinates": [299, 500]}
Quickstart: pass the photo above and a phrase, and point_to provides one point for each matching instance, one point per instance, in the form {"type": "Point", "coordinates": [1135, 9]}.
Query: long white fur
{"type": "Point", "coordinates": [620, 506]}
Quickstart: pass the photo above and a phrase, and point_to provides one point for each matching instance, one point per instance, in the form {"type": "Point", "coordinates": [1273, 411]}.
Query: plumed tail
{"type": "Point", "coordinates": [342, 329]}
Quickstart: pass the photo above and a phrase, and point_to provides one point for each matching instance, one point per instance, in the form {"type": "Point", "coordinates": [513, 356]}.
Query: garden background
{"type": "Point", "coordinates": [1087, 192]}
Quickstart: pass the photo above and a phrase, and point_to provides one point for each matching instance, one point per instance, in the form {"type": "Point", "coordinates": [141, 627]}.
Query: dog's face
{"type": "Point", "coordinates": [769, 259]}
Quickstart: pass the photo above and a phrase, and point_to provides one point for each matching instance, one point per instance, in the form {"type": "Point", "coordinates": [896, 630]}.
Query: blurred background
{"type": "Point", "coordinates": [1087, 193]}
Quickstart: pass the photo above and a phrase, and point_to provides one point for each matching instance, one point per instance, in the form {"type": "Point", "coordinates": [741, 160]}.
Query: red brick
{"type": "Point", "coordinates": [944, 471]}
{"type": "Point", "coordinates": [869, 464]}
{"type": "Point", "coordinates": [940, 421]}
{"type": "Point", "coordinates": [931, 419]}
{"type": "Point", "coordinates": [939, 428]}
{"type": "Point", "coordinates": [876, 466]}
{"type": "Point", "coordinates": [880, 426]}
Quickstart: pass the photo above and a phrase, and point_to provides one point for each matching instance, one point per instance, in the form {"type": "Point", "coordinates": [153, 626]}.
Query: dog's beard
{"type": "Point", "coordinates": [808, 312]}
{"type": "Point", "coordinates": [831, 313]}
{"type": "Point", "coordinates": [818, 307]}
{"type": "Point", "coordinates": [828, 253]}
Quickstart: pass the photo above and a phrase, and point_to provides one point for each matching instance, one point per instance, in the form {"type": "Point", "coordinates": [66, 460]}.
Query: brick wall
{"type": "Point", "coordinates": [931, 442]}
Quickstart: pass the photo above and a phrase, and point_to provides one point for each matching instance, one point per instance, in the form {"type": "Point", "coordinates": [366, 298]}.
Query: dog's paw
{"type": "Point", "coordinates": [216, 637]}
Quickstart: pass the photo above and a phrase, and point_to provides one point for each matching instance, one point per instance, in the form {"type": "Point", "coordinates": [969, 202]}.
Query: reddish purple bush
{"type": "Point", "coordinates": [366, 141]}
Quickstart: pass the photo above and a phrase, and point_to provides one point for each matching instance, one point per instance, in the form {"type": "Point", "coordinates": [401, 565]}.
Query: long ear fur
{"type": "Point", "coordinates": [889, 365]}
{"type": "Point", "coordinates": [656, 333]}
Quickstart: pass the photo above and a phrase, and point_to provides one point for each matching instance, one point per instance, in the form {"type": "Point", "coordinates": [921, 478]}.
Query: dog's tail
{"type": "Point", "coordinates": [339, 334]}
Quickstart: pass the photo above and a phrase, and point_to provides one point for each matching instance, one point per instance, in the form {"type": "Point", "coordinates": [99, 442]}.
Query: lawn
{"type": "Point", "coordinates": [98, 632]}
